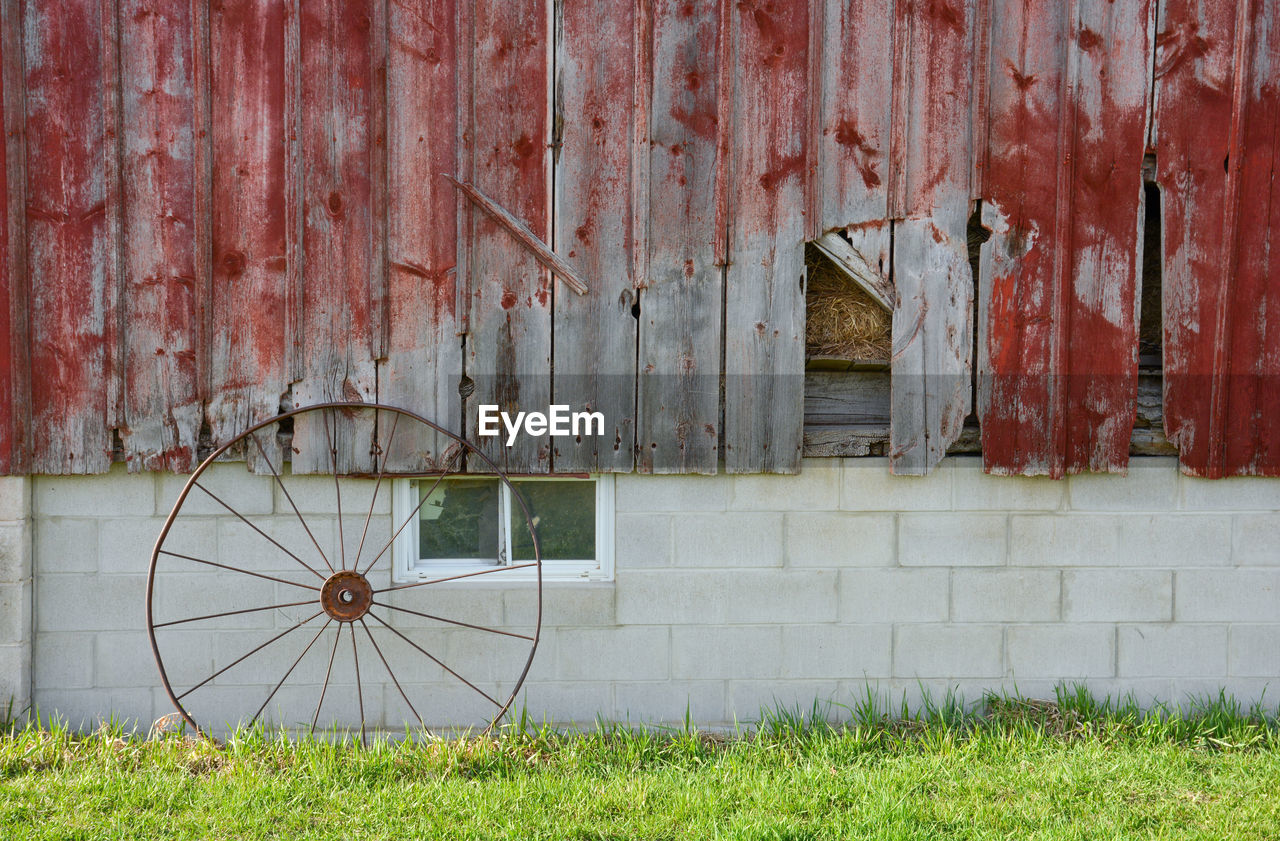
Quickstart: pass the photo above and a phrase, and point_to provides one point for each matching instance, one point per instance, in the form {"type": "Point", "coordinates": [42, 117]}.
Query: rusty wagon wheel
{"type": "Point", "coordinates": [267, 603]}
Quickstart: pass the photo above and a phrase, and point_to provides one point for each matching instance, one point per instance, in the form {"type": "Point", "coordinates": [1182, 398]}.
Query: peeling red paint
{"type": "Point", "coordinates": [189, 267]}
{"type": "Point", "coordinates": [1059, 357]}
{"type": "Point", "coordinates": [1218, 77]}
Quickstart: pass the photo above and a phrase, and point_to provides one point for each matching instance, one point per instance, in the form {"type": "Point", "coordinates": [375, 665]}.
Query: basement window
{"type": "Point", "coordinates": [474, 524]}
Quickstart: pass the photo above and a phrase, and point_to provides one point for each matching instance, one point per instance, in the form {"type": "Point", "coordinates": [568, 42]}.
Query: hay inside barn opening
{"type": "Point", "coordinates": [841, 320]}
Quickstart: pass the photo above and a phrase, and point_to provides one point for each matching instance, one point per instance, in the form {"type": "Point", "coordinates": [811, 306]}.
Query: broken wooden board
{"type": "Point", "coordinates": [342, 270]}
{"type": "Point", "coordinates": [67, 236]}
{"type": "Point", "coordinates": [853, 264]}
{"type": "Point", "coordinates": [930, 156]}
{"type": "Point", "coordinates": [153, 203]}
{"type": "Point", "coordinates": [423, 363]}
{"type": "Point", "coordinates": [247, 306]}
{"type": "Point", "coordinates": [1058, 365]}
{"type": "Point", "coordinates": [508, 349]}
{"type": "Point", "coordinates": [519, 231]}
{"type": "Point", "coordinates": [764, 283]}
{"type": "Point", "coordinates": [1215, 139]}
{"type": "Point", "coordinates": [851, 143]}
{"type": "Point", "coordinates": [678, 413]}
{"type": "Point", "coordinates": [595, 174]}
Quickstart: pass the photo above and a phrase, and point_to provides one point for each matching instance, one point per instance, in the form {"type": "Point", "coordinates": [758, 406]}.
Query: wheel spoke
{"type": "Point", "coordinates": [392, 674]}
{"type": "Point", "coordinates": [453, 621]}
{"type": "Point", "coordinates": [337, 488]}
{"type": "Point", "coordinates": [355, 657]}
{"type": "Point", "coordinates": [489, 571]}
{"type": "Point", "coordinates": [236, 569]}
{"type": "Point", "coordinates": [289, 671]}
{"type": "Point", "coordinates": [382, 471]}
{"type": "Point", "coordinates": [250, 654]}
{"type": "Point", "coordinates": [231, 613]}
{"type": "Point", "coordinates": [292, 505]}
{"type": "Point", "coordinates": [259, 531]}
{"type": "Point", "coordinates": [328, 672]}
{"type": "Point", "coordinates": [415, 510]}
{"type": "Point", "coordinates": [434, 660]}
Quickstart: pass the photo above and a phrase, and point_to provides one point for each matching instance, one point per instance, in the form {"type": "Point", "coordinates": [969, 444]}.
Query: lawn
{"type": "Point", "coordinates": [1008, 768]}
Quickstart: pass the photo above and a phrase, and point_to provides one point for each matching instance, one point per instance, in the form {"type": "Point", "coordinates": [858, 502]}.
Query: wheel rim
{"type": "Point", "coordinates": [328, 598]}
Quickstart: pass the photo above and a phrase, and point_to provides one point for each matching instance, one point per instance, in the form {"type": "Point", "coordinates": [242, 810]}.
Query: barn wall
{"type": "Point", "coordinates": [218, 209]}
{"type": "Point", "coordinates": [733, 591]}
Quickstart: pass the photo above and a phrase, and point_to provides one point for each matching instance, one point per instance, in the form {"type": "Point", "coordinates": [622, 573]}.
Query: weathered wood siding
{"type": "Point", "coordinates": [1069, 93]}
{"type": "Point", "coordinates": [213, 210]}
{"type": "Point", "coordinates": [1218, 94]}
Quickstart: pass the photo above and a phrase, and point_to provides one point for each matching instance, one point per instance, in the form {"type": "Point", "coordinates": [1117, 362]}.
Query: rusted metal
{"type": "Point", "coordinates": [346, 596]}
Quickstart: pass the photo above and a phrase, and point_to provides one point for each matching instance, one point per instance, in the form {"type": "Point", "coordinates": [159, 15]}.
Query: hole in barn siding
{"type": "Point", "coordinates": [975, 235]}
{"type": "Point", "coordinates": [1148, 427]}
{"type": "Point", "coordinates": [842, 322]}
{"type": "Point", "coordinates": [1150, 324]}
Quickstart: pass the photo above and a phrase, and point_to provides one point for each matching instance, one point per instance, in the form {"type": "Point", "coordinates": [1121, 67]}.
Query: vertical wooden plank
{"type": "Point", "coordinates": [246, 311]}
{"type": "Point", "coordinates": [857, 95]}
{"type": "Point", "coordinates": [1195, 77]}
{"type": "Point", "coordinates": [930, 160]}
{"type": "Point", "coordinates": [66, 235]}
{"type": "Point", "coordinates": [595, 334]}
{"type": "Point", "coordinates": [1027, 81]}
{"type": "Point", "coordinates": [1069, 94]}
{"type": "Point", "coordinates": [680, 308]}
{"type": "Point", "coordinates": [424, 358]}
{"type": "Point", "coordinates": [1216, 160]}
{"type": "Point", "coordinates": [1251, 406]}
{"type": "Point", "coordinates": [508, 350]}
{"type": "Point", "coordinates": [115, 310]}
{"type": "Point", "coordinates": [14, 365]}
{"type": "Point", "coordinates": [764, 291]}
{"type": "Point", "coordinates": [339, 142]}
{"type": "Point", "coordinates": [1100, 339]}
{"type": "Point", "coordinates": [162, 410]}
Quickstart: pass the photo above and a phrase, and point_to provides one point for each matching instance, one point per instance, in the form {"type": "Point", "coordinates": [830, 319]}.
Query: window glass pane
{"type": "Point", "coordinates": [459, 520]}
{"type": "Point", "coordinates": [564, 513]}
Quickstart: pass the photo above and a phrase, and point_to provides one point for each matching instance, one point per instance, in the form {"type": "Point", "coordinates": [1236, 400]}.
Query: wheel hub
{"type": "Point", "coordinates": [346, 595]}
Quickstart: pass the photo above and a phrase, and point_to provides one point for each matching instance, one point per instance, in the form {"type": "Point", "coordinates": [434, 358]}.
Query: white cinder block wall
{"type": "Point", "coordinates": [737, 592]}
{"type": "Point", "coordinates": [15, 595]}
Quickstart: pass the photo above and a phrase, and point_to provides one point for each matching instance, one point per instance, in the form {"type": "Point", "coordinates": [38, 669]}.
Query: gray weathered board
{"type": "Point", "coordinates": [846, 413]}
{"type": "Point", "coordinates": [595, 174]}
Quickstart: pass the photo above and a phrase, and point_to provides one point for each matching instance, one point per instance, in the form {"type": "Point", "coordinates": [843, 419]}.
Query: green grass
{"type": "Point", "coordinates": [1005, 768]}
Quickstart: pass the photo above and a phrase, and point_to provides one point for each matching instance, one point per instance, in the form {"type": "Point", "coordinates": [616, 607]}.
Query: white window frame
{"type": "Point", "coordinates": [407, 567]}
